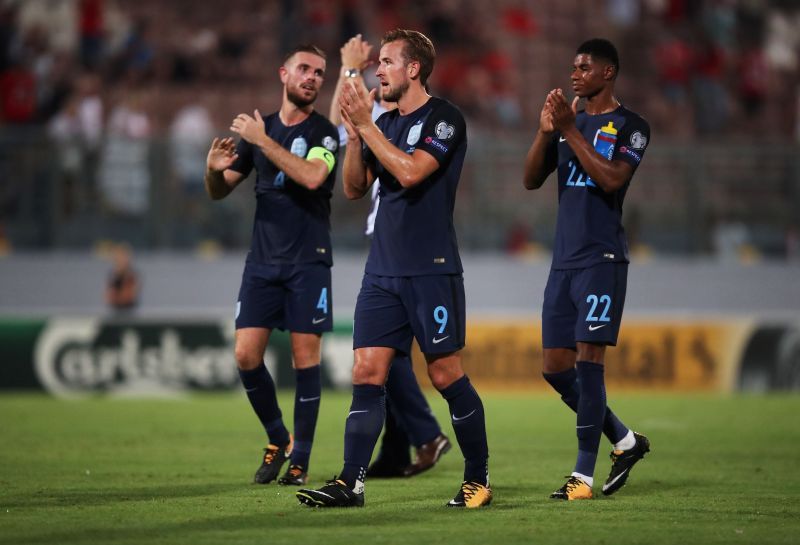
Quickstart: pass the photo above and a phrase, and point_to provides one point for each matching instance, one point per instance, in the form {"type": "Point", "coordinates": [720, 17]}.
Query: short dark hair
{"type": "Point", "coordinates": [418, 47]}
{"type": "Point", "coordinates": [601, 49]}
{"type": "Point", "coordinates": [305, 48]}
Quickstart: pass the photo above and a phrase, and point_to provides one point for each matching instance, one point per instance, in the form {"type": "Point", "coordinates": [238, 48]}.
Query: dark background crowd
{"type": "Point", "coordinates": [107, 108]}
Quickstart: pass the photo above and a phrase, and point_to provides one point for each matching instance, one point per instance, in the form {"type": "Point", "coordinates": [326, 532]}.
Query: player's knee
{"type": "Point", "coordinates": [364, 373]}
{"type": "Point", "coordinates": [247, 359]}
{"type": "Point", "coordinates": [442, 377]}
{"type": "Point", "coordinates": [594, 353]}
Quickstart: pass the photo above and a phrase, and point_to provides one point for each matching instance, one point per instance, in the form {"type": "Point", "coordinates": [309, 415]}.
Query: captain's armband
{"type": "Point", "coordinates": [321, 153]}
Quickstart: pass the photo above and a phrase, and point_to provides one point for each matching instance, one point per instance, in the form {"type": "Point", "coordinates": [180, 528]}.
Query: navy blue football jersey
{"type": "Point", "coordinates": [589, 227]}
{"type": "Point", "coordinates": [414, 233]}
{"type": "Point", "coordinates": [292, 222]}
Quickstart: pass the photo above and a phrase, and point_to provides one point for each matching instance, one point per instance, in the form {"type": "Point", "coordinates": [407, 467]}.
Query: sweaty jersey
{"type": "Point", "coordinates": [414, 233]}
{"type": "Point", "coordinates": [292, 223]}
{"type": "Point", "coordinates": [589, 227]}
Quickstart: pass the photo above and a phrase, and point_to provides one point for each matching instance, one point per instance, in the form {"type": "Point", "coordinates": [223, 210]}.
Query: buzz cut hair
{"type": "Point", "coordinates": [417, 47]}
{"type": "Point", "coordinates": [601, 49]}
{"type": "Point", "coordinates": [304, 48]}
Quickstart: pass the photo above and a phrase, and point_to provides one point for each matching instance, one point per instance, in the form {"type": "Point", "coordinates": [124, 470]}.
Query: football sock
{"type": "Point", "coordinates": [306, 408]}
{"type": "Point", "coordinates": [585, 478]}
{"type": "Point", "coordinates": [627, 442]}
{"type": "Point", "coordinates": [361, 431]}
{"type": "Point", "coordinates": [566, 384]}
{"type": "Point", "coordinates": [261, 392]}
{"type": "Point", "coordinates": [591, 412]}
{"type": "Point", "coordinates": [469, 424]}
{"type": "Point", "coordinates": [411, 407]}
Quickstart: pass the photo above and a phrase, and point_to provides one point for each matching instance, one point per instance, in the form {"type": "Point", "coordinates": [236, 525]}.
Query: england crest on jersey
{"type": "Point", "coordinates": [414, 133]}
{"type": "Point", "coordinates": [299, 147]}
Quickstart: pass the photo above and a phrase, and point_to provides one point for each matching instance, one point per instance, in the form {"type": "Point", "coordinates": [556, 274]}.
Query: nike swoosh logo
{"type": "Point", "coordinates": [437, 341]}
{"type": "Point", "coordinates": [594, 327]}
{"type": "Point", "coordinates": [251, 389]}
{"type": "Point", "coordinates": [307, 399]}
{"type": "Point", "coordinates": [562, 139]}
{"type": "Point", "coordinates": [351, 413]}
{"type": "Point", "coordinates": [316, 321]}
{"type": "Point", "coordinates": [581, 427]}
{"type": "Point", "coordinates": [615, 479]}
{"type": "Point", "coordinates": [457, 418]}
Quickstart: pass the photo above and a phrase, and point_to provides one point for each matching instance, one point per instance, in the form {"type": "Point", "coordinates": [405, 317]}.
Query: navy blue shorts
{"type": "Point", "coordinates": [293, 297]}
{"type": "Point", "coordinates": [584, 305]}
{"type": "Point", "coordinates": [390, 311]}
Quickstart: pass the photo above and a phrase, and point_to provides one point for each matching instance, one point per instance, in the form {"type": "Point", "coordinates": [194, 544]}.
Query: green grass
{"type": "Point", "coordinates": [722, 470]}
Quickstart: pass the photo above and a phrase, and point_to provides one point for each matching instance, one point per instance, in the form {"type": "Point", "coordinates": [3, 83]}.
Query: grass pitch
{"type": "Point", "coordinates": [721, 470]}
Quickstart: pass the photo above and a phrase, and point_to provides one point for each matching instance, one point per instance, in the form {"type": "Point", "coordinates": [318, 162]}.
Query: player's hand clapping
{"type": "Point", "coordinates": [562, 113]}
{"type": "Point", "coordinates": [222, 154]}
{"type": "Point", "coordinates": [249, 128]}
{"type": "Point", "coordinates": [355, 53]}
{"type": "Point", "coordinates": [356, 106]}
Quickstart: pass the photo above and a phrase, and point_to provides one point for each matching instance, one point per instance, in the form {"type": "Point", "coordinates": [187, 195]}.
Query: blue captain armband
{"type": "Point", "coordinates": [321, 153]}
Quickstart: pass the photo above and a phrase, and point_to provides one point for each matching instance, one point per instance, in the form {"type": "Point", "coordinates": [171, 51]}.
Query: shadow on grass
{"type": "Point", "coordinates": [376, 522]}
{"type": "Point", "coordinates": [87, 497]}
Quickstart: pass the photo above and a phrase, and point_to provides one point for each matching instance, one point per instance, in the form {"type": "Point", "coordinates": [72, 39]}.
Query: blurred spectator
{"type": "Point", "coordinates": [708, 89]}
{"type": "Point", "coordinates": [623, 13]}
{"type": "Point", "coordinates": [122, 289]}
{"type": "Point", "coordinates": [190, 134]}
{"type": "Point", "coordinates": [90, 22]}
{"type": "Point", "coordinates": [783, 39]}
{"type": "Point", "coordinates": [718, 19]}
{"type": "Point", "coordinates": [17, 94]}
{"type": "Point", "coordinates": [65, 130]}
{"type": "Point", "coordinates": [752, 80]}
{"type": "Point", "coordinates": [125, 170]}
{"type": "Point", "coordinates": [730, 239]}
{"type": "Point", "coordinates": [8, 31]}
{"type": "Point", "coordinates": [673, 58]}
{"type": "Point", "coordinates": [135, 60]}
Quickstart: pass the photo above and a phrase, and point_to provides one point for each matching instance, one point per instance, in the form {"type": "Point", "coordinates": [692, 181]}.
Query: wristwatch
{"type": "Point", "coordinates": [352, 72]}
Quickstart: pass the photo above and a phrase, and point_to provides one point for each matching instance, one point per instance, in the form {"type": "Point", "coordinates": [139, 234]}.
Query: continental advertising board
{"type": "Point", "coordinates": [80, 356]}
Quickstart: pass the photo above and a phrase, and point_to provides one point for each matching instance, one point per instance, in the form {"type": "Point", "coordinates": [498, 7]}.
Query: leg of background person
{"type": "Point", "coordinates": [250, 345]}
{"type": "Point", "coordinates": [415, 416]}
{"type": "Point", "coordinates": [560, 373]}
{"type": "Point", "coordinates": [409, 402]}
{"type": "Point", "coordinates": [393, 456]}
{"type": "Point", "coordinates": [306, 357]}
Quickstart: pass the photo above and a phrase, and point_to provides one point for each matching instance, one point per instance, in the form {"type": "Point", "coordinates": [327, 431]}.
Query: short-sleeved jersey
{"type": "Point", "coordinates": [292, 222]}
{"type": "Point", "coordinates": [414, 233]}
{"type": "Point", "coordinates": [589, 227]}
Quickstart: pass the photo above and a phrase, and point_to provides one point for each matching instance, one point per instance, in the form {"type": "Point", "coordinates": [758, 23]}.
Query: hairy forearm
{"type": "Point", "coordinates": [536, 172]}
{"type": "Point", "coordinates": [216, 186]}
{"type": "Point", "coordinates": [610, 176]}
{"type": "Point", "coordinates": [400, 164]}
{"type": "Point", "coordinates": [335, 115]}
{"type": "Point", "coordinates": [354, 172]}
{"type": "Point", "coordinates": [306, 173]}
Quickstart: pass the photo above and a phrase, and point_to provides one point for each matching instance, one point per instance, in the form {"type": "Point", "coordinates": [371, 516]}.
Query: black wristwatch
{"type": "Point", "coordinates": [352, 72]}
